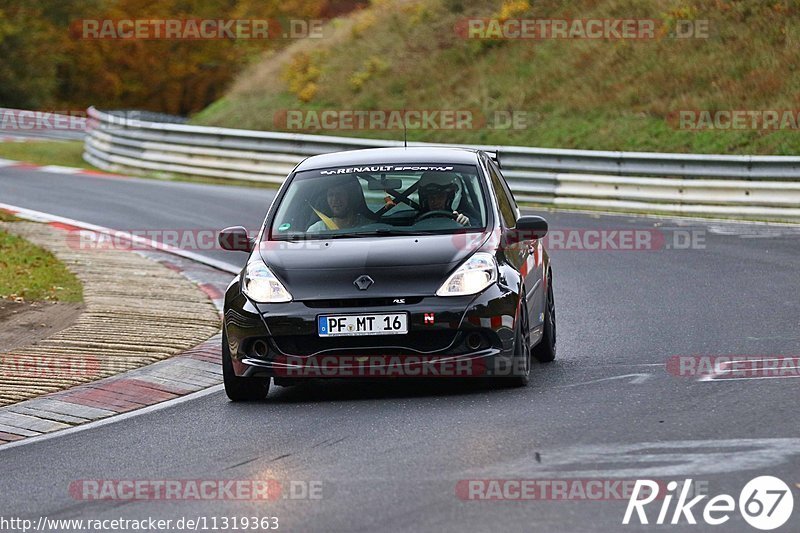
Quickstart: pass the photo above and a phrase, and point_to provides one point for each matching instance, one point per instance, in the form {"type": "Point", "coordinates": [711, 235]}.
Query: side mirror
{"type": "Point", "coordinates": [528, 228]}
{"type": "Point", "coordinates": [235, 239]}
{"type": "Point", "coordinates": [532, 227]}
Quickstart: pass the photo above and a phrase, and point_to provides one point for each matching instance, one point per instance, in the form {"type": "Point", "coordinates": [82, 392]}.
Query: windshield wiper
{"type": "Point", "coordinates": [384, 231]}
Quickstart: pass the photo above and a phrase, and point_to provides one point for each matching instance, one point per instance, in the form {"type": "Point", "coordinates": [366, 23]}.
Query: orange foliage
{"type": "Point", "coordinates": [171, 76]}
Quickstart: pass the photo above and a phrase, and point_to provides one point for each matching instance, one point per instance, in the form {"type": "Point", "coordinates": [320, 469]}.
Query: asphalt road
{"type": "Point", "coordinates": [390, 456]}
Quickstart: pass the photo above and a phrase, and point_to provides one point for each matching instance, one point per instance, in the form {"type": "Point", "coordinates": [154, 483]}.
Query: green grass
{"type": "Point", "coordinates": [587, 94]}
{"type": "Point", "coordinates": [7, 217]}
{"type": "Point", "coordinates": [64, 153]}
{"type": "Point", "coordinates": [34, 274]}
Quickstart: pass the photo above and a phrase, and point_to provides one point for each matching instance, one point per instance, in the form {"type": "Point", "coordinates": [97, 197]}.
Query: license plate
{"type": "Point", "coordinates": [341, 325]}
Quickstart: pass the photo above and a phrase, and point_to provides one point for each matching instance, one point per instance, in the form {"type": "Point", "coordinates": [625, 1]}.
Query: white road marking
{"type": "Point", "coordinates": [662, 459]}
{"type": "Point", "coordinates": [56, 169]}
{"type": "Point", "coordinates": [775, 337]}
{"type": "Point", "coordinates": [636, 379]}
{"type": "Point", "coordinates": [720, 380]}
{"type": "Point", "coordinates": [633, 364]}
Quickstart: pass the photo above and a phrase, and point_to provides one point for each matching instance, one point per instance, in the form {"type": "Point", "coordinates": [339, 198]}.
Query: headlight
{"type": "Point", "coordinates": [477, 273]}
{"type": "Point", "coordinates": [261, 285]}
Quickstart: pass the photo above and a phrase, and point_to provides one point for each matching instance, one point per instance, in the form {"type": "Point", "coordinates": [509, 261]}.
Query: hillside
{"type": "Point", "coordinates": [615, 94]}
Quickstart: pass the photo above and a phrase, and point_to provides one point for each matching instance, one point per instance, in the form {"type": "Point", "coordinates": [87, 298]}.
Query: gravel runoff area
{"type": "Point", "coordinates": [137, 311]}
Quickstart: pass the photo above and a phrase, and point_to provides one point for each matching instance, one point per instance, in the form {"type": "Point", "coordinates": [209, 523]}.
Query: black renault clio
{"type": "Point", "coordinates": [389, 262]}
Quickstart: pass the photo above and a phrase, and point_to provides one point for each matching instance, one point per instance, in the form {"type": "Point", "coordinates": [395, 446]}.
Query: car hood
{"type": "Point", "coordinates": [399, 266]}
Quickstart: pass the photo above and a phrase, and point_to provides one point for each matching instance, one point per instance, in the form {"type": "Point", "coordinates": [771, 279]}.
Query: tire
{"type": "Point", "coordinates": [545, 351]}
{"type": "Point", "coordinates": [289, 382]}
{"type": "Point", "coordinates": [240, 389]}
{"type": "Point", "coordinates": [522, 348]}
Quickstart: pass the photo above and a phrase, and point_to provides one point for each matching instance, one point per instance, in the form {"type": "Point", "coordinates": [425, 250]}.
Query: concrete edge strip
{"type": "Point", "coordinates": [113, 419]}
{"type": "Point", "coordinates": [19, 139]}
{"type": "Point", "coordinates": [191, 374]}
{"type": "Point", "coordinates": [165, 380]}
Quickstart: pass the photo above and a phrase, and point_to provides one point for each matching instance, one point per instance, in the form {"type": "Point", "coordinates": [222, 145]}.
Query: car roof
{"type": "Point", "coordinates": [372, 156]}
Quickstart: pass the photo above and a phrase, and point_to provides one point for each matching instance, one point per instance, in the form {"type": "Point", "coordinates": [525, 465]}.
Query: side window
{"type": "Point", "coordinates": [508, 209]}
{"type": "Point", "coordinates": [509, 194]}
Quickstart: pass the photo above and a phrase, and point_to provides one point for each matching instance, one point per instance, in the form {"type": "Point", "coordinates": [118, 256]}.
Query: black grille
{"type": "Point", "coordinates": [410, 343]}
{"type": "Point", "coordinates": [360, 302]}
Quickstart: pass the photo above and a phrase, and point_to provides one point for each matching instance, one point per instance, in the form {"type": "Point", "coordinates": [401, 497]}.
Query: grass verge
{"type": "Point", "coordinates": [64, 153]}
{"type": "Point", "coordinates": [7, 217]}
{"type": "Point", "coordinates": [31, 273]}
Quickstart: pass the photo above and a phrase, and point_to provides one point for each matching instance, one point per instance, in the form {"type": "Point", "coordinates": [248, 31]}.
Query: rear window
{"type": "Point", "coordinates": [381, 200]}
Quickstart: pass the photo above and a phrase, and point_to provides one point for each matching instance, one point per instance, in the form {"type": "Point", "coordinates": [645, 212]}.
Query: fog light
{"type": "Point", "coordinates": [260, 348]}
{"type": "Point", "coordinates": [474, 341]}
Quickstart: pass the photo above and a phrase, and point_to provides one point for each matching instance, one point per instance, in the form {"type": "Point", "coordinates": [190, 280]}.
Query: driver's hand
{"type": "Point", "coordinates": [461, 218]}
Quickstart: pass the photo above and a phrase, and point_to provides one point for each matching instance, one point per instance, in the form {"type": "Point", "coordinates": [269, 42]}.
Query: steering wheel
{"type": "Point", "coordinates": [436, 213]}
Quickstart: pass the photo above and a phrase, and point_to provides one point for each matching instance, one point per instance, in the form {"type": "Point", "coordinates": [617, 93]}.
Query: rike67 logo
{"type": "Point", "coordinates": [765, 503]}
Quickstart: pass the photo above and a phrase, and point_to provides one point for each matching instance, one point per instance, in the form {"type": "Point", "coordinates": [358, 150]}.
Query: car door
{"type": "Point", "coordinates": [524, 255]}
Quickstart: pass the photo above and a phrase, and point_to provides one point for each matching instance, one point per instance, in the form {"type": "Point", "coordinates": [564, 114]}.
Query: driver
{"type": "Point", "coordinates": [437, 190]}
{"type": "Point", "coordinates": [342, 197]}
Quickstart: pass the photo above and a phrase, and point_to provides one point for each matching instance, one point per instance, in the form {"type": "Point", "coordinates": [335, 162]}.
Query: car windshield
{"type": "Point", "coordinates": [381, 200]}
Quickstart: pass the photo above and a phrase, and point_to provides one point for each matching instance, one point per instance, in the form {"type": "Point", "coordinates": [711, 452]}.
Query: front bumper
{"type": "Point", "coordinates": [460, 337]}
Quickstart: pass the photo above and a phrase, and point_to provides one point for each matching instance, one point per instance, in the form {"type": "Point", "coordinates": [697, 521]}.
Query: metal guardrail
{"type": "Point", "coordinates": [760, 187]}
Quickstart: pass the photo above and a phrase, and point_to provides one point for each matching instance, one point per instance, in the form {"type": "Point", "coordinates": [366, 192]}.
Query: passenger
{"type": "Point", "coordinates": [343, 201]}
